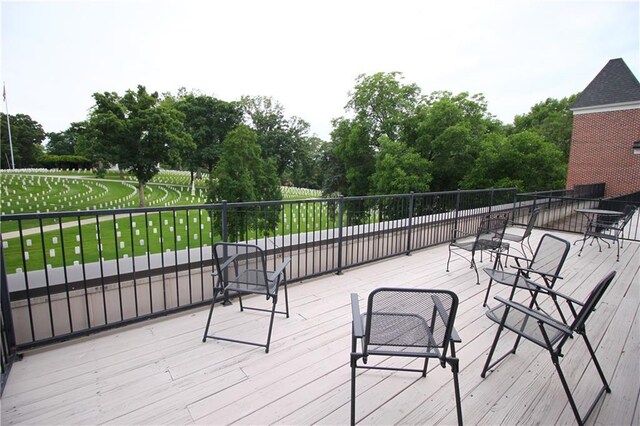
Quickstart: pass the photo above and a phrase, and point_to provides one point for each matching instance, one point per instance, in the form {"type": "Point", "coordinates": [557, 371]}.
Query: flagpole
{"type": "Point", "coordinates": [6, 104]}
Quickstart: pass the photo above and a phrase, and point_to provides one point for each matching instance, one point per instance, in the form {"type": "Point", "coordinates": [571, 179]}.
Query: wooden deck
{"type": "Point", "coordinates": [159, 372]}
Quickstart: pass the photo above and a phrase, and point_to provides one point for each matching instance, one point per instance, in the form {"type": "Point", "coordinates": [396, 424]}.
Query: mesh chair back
{"type": "Point", "coordinates": [409, 320]}
{"type": "Point", "coordinates": [491, 231]}
{"type": "Point", "coordinates": [247, 270]}
{"type": "Point", "coordinates": [591, 302]}
{"type": "Point", "coordinates": [531, 224]}
{"type": "Point", "coordinates": [629, 211]}
{"type": "Point", "coordinates": [550, 255]}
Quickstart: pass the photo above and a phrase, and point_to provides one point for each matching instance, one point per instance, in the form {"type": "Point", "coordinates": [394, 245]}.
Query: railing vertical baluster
{"type": "Point", "coordinates": [26, 280]}
{"type": "Point", "coordinates": [115, 244]}
{"type": "Point", "coordinates": [46, 276]}
{"type": "Point", "coordinates": [84, 273]}
{"type": "Point", "coordinates": [224, 231]}
{"type": "Point", "coordinates": [66, 275]}
{"type": "Point", "coordinates": [340, 225]}
{"type": "Point", "coordinates": [410, 222]}
{"type": "Point", "coordinates": [148, 249]}
{"type": "Point", "coordinates": [175, 255]}
{"type": "Point", "coordinates": [164, 281]}
{"type": "Point", "coordinates": [7, 318]}
{"type": "Point", "coordinates": [133, 264]}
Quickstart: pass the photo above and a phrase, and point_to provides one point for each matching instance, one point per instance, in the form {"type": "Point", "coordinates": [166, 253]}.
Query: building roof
{"type": "Point", "coordinates": [614, 84]}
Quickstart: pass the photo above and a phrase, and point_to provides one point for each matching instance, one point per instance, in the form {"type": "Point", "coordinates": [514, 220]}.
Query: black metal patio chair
{"type": "Point", "coordinates": [402, 322]}
{"type": "Point", "coordinates": [609, 228]}
{"type": "Point", "coordinates": [526, 235]}
{"type": "Point", "coordinates": [545, 265]}
{"type": "Point", "coordinates": [487, 238]}
{"type": "Point", "coordinates": [242, 268]}
{"type": "Point", "coordinates": [550, 334]}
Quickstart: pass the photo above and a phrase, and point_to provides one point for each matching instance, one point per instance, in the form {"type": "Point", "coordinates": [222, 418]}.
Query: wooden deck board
{"type": "Point", "coordinates": [159, 372]}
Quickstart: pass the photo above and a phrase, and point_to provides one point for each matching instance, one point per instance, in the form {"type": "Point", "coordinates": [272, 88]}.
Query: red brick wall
{"type": "Point", "coordinates": [602, 151]}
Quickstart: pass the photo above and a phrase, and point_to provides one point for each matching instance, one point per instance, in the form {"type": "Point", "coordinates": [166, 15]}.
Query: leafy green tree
{"type": "Point", "coordinates": [208, 120]}
{"type": "Point", "coordinates": [525, 160]}
{"type": "Point", "coordinates": [281, 138]}
{"type": "Point", "coordinates": [383, 102]}
{"type": "Point", "coordinates": [27, 136]}
{"type": "Point", "coordinates": [307, 171]}
{"type": "Point", "coordinates": [66, 142]}
{"type": "Point", "coordinates": [352, 147]}
{"type": "Point", "coordinates": [447, 130]}
{"type": "Point", "coordinates": [138, 132]}
{"type": "Point", "coordinates": [399, 169]}
{"type": "Point", "coordinates": [242, 175]}
{"type": "Point", "coordinates": [552, 119]}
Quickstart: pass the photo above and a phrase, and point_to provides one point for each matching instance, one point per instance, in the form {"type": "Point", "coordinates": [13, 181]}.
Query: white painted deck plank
{"type": "Point", "coordinates": [159, 372]}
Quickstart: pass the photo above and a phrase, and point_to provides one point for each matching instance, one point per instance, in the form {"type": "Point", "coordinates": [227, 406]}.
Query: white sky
{"type": "Point", "coordinates": [306, 54]}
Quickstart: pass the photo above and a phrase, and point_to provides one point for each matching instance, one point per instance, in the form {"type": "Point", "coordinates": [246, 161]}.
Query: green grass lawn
{"type": "Point", "coordinates": [120, 237]}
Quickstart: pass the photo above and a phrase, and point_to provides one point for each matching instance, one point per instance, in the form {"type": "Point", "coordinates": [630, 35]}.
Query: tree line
{"type": "Point", "coordinates": [392, 139]}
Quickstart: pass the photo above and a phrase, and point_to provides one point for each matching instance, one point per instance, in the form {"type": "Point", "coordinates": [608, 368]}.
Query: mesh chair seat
{"type": "Point", "coordinates": [521, 323]}
{"type": "Point", "coordinates": [253, 281]}
{"type": "Point", "coordinates": [510, 278]}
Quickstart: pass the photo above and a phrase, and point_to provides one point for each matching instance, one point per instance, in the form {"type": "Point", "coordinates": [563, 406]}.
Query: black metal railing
{"type": "Point", "coordinates": [73, 273]}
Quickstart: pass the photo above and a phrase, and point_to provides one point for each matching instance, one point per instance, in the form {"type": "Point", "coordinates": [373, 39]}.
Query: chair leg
{"type": "Point", "coordinates": [487, 363]}
{"type": "Point", "coordinates": [213, 302]}
{"type": "Point", "coordinates": [286, 297]}
{"type": "Point", "coordinates": [354, 359]}
{"type": "Point", "coordinates": [449, 258]}
{"type": "Point", "coordinates": [273, 313]}
{"type": "Point", "coordinates": [456, 387]}
{"type": "Point", "coordinates": [596, 363]}
{"type": "Point", "coordinates": [486, 296]}
{"type": "Point", "coordinates": [426, 366]}
{"type": "Point", "coordinates": [567, 390]}
{"type": "Point", "coordinates": [240, 300]}
{"type": "Point", "coordinates": [475, 268]}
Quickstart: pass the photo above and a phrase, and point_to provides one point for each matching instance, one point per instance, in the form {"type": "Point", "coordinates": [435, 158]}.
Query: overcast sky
{"type": "Point", "coordinates": [306, 54]}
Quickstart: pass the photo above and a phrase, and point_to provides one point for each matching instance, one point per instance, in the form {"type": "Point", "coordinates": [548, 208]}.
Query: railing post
{"type": "Point", "coordinates": [410, 224]}
{"type": "Point", "coordinates": [340, 225]}
{"type": "Point", "coordinates": [224, 235]}
{"type": "Point", "coordinates": [513, 211]}
{"type": "Point", "coordinates": [455, 220]}
{"type": "Point", "coordinates": [8, 337]}
{"type": "Point", "coordinates": [491, 200]}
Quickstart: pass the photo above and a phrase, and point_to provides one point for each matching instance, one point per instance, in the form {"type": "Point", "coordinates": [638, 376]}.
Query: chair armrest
{"type": "Point", "coordinates": [274, 275]}
{"type": "Point", "coordinates": [543, 274]}
{"type": "Point", "coordinates": [358, 330]}
{"type": "Point", "coordinates": [442, 311]}
{"type": "Point", "coordinates": [547, 290]}
{"type": "Point", "coordinates": [455, 233]}
{"type": "Point", "coordinates": [229, 261]}
{"type": "Point", "coordinates": [536, 315]}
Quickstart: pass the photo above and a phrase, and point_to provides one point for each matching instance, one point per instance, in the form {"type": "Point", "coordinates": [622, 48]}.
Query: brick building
{"type": "Point", "coordinates": [606, 132]}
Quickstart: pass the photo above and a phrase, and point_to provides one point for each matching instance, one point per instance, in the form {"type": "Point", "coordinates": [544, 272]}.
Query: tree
{"type": "Point", "coordinates": [399, 169]}
{"type": "Point", "coordinates": [27, 136]}
{"type": "Point", "coordinates": [242, 175]}
{"type": "Point", "coordinates": [208, 120]}
{"type": "Point", "coordinates": [66, 142]}
{"type": "Point", "coordinates": [138, 132]}
{"type": "Point", "coordinates": [552, 119]}
{"type": "Point", "coordinates": [351, 146]}
{"type": "Point", "coordinates": [447, 130]}
{"type": "Point", "coordinates": [281, 138]}
{"type": "Point", "coordinates": [525, 160]}
{"type": "Point", "coordinates": [383, 102]}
